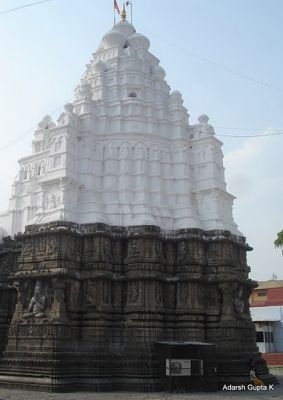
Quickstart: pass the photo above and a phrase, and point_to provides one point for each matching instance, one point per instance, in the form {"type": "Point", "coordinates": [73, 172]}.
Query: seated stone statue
{"type": "Point", "coordinates": [37, 304]}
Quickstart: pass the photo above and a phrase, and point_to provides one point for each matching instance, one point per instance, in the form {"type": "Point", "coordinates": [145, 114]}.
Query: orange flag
{"type": "Point", "coordinates": [116, 7]}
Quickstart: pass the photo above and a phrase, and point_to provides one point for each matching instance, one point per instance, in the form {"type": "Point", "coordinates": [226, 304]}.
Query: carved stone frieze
{"type": "Point", "coordinates": [135, 248]}
{"type": "Point", "coordinates": [89, 246]}
{"type": "Point", "coordinates": [98, 298]}
{"type": "Point", "coordinates": [51, 244]}
{"type": "Point", "coordinates": [27, 247]}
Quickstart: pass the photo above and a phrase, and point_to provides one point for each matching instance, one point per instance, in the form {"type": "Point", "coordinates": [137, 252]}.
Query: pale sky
{"type": "Point", "coordinates": [44, 50]}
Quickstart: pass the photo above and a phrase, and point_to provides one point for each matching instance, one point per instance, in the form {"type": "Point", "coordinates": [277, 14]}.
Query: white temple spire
{"type": "Point", "coordinates": [123, 151]}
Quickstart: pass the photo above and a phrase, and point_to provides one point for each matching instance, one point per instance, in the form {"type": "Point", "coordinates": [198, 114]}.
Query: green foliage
{"type": "Point", "coordinates": [279, 241]}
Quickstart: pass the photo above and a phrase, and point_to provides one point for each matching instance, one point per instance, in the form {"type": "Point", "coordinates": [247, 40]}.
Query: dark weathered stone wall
{"type": "Point", "coordinates": [9, 253]}
{"type": "Point", "coordinates": [106, 295]}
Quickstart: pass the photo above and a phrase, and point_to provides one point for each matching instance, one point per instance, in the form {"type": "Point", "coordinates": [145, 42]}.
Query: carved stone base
{"type": "Point", "coordinates": [94, 300]}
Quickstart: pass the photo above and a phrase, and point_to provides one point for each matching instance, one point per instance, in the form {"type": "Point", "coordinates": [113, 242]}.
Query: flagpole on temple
{"type": "Point", "coordinates": [116, 8]}
{"type": "Point", "coordinates": [127, 4]}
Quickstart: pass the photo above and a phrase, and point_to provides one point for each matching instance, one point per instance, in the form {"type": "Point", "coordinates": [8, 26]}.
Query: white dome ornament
{"type": "Point", "coordinates": [46, 123]}
{"type": "Point", "coordinates": [114, 38]}
{"type": "Point", "coordinates": [138, 41]}
{"type": "Point", "coordinates": [176, 98]}
{"type": "Point", "coordinates": [124, 26]}
{"type": "Point", "coordinates": [158, 72]}
{"type": "Point", "coordinates": [68, 117]}
{"type": "Point", "coordinates": [99, 67]}
{"type": "Point", "coordinates": [203, 128]}
{"type": "Point", "coordinates": [85, 91]}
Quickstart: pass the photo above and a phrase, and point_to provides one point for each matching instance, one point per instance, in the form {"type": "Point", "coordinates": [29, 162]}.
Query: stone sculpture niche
{"type": "Point", "coordinates": [37, 305]}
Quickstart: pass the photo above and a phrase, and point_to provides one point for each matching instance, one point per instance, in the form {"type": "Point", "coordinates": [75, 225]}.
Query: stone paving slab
{"type": "Point", "coordinates": [276, 392]}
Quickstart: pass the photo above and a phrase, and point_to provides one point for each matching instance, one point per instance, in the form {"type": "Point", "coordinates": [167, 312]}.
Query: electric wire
{"type": "Point", "coordinates": [27, 132]}
{"type": "Point", "coordinates": [272, 132]}
{"type": "Point", "coordinates": [24, 6]}
{"type": "Point", "coordinates": [212, 62]}
{"type": "Point", "coordinates": [172, 45]}
{"type": "Point", "coordinates": [250, 136]}
{"type": "Point", "coordinates": [248, 129]}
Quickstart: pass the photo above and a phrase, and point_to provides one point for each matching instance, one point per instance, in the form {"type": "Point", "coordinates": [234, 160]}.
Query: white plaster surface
{"type": "Point", "coordinates": [123, 152]}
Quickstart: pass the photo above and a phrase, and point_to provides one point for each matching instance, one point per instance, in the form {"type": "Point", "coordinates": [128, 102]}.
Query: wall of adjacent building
{"type": "Point", "coordinates": [278, 336]}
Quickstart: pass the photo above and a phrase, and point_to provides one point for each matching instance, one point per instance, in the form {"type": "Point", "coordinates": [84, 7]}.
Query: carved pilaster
{"type": "Point", "coordinates": [20, 302]}
{"type": "Point", "coordinates": [58, 310]}
{"type": "Point", "coordinates": [227, 312]}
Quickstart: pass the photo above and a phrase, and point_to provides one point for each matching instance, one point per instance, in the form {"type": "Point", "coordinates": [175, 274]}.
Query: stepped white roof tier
{"type": "Point", "coordinates": [123, 152]}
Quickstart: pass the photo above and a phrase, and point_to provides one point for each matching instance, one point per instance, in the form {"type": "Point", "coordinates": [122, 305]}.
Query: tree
{"type": "Point", "coordinates": [279, 241]}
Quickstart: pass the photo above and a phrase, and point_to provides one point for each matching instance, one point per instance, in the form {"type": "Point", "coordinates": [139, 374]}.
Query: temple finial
{"type": "Point", "coordinates": [123, 12]}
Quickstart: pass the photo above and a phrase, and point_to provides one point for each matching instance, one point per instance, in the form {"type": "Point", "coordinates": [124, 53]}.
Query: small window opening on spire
{"type": "Point", "coordinates": [132, 94]}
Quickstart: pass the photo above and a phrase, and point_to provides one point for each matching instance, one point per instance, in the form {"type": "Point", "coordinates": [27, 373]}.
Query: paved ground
{"type": "Point", "coordinates": [276, 392]}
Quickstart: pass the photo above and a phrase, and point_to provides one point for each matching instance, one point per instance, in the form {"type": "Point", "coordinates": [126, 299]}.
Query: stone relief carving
{"type": "Point", "coordinates": [140, 150]}
{"type": "Point", "coordinates": [134, 292]}
{"type": "Point", "coordinates": [158, 293]}
{"type": "Point", "coordinates": [41, 244]}
{"type": "Point", "coordinates": [135, 249]}
{"type": "Point", "coordinates": [73, 294]}
{"type": "Point", "coordinates": [183, 293]}
{"type": "Point", "coordinates": [182, 250]}
{"type": "Point", "coordinates": [238, 302]}
{"type": "Point", "coordinates": [125, 150]}
{"type": "Point", "coordinates": [214, 253]}
{"type": "Point", "coordinates": [52, 201]}
{"type": "Point", "coordinates": [52, 244]}
{"type": "Point", "coordinates": [154, 152]}
{"type": "Point", "coordinates": [158, 248]}
{"type": "Point", "coordinates": [111, 150]}
{"type": "Point", "coordinates": [78, 246]}
{"type": "Point", "coordinates": [199, 293]}
{"type": "Point", "coordinates": [89, 292]}
{"type": "Point", "coordinates": [107, 247]}
{"type": "Point", "coordinates": [212, 296]}
{"type": "Point", "coordinates": [98, 151]}
{"type": "Point", "coordinates": [89, 246]}
{"type": "Point", "coordinates": [28, 248]}
{"type": "Point", "coordinates": [71, 244]}
{"type": "Point", "coordinates": [38, 303]}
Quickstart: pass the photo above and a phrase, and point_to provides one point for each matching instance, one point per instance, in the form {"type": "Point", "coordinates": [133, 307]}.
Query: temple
{"type": "Point", "coordinates": [119, 243]}
{"type": "Point", "coordinates": [123, 153]}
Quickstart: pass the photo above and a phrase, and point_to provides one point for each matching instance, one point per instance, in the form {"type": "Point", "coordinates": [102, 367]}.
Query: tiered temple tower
{"type": "Point", "coordinates": [124, 237]}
